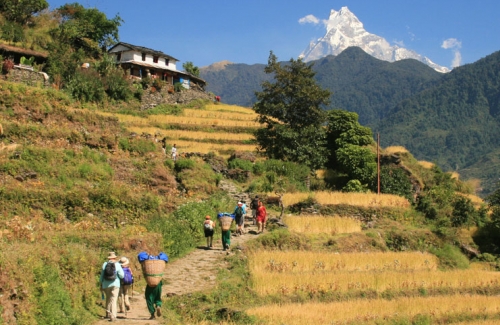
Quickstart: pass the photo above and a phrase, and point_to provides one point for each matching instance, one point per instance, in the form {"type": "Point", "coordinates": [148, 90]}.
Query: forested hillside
{"type": "Point", "coordinates": [451, 119]}
{"type": "Point", "coordinates": [456, 123]}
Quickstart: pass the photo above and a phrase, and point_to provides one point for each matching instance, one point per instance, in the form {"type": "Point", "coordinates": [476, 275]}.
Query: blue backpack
{"type": "Point", "coordinates": [128, 279]}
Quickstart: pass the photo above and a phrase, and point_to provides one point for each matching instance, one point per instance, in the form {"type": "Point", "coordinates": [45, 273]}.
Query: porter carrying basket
{"type": "Point", "coordinates": [225, 222]}
{"type": "Point", "coordinates": [153, 271]}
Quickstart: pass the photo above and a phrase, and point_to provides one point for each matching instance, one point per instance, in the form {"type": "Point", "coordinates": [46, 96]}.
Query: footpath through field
{"type": "Point", "coordinates": [194, 272]}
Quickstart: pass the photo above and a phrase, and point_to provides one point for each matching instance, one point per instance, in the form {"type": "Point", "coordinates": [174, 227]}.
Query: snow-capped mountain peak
{"type": "Point", "coordinates": [344, 29]}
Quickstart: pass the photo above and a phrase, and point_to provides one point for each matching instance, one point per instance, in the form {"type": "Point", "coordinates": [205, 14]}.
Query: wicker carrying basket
{"type": "Point", "coordinates": [153, 271]}
{"type": "Point", "coordinates": [225, 222]}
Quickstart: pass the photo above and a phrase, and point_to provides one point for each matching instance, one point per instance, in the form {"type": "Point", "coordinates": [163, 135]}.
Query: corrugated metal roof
{"type": "Point", "coordinates": [143, 49]}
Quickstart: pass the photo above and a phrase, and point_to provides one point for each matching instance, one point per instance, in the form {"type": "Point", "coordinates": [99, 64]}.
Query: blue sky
{"type": "Point", "coordinates": [244, 31]}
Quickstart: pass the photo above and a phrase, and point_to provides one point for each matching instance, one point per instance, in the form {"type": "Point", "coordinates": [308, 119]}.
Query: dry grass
{"type": "Point", "coordinates": [186, 120]}
{"type": "Point", "coordinates": [355, 199]}
{"type": "Point", "coordinates": [322, 224]}
{"type": "Point", "coordinates": [195, 135]}
{"type": "Point", "coordinates": [395, 149]}
{"type": "Point", "coordinates": [230, 115]}
{"type": "Point", "coordinates": [426, 164]}
{"type": "Point", "coordinates": [229, 108]}
{"type": "Point", "coordinates": [202, 147]}
{"type": "Point", "coordinates": [285, 282]}
{"type": "Point", "coordinates": [480, 322]}
{"type": "Point", "coordinates": [455, 175]}
{"type": "Point", "coordinates": [298, 262]}
{"type": "Point", "coordinates": [370, 311]}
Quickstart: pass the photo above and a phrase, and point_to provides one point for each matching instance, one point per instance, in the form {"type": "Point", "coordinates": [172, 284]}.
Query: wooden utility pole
{"type": "Point", "coordinates": [378, 163]}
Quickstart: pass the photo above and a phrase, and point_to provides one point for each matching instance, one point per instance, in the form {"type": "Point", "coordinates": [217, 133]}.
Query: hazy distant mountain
{"type": "Point", "coordinates": [343, 30]}
{"type": "Point", "coordinates": [359, 82]}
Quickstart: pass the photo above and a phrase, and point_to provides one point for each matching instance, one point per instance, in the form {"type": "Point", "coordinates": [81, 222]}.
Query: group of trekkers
{"type": "Point", "coordinates": [116, 279]}
{"type": "Point", "coordinates": [116, 284]}
{"type": "Point", "coordinates": [259, 217]}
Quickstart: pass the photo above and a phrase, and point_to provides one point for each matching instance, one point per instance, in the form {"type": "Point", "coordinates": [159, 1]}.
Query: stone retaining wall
{"type": "Point", "coordinates": [154, 98]}
{"type": "Point", "coordinates": [28, 77]}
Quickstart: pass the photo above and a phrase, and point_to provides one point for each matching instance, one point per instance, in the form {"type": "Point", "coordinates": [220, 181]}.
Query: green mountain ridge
{"type": "Point", "coordinates": [451, 119]}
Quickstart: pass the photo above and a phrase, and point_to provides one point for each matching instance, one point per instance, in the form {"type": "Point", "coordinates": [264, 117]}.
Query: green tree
{"type": "Point", "coordinates": [82, 35]}
{"type": "Point", "coordinates": [20, 11]}
{"type": "Point", "coordinates": [348, 152]}
{"type": "Point", "coordinates": [290, 107]}
{"type": "Point", "coordinates": [189, 67]}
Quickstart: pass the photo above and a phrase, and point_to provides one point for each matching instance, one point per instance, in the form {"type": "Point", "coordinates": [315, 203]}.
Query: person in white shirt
{"type": "Point", "coordinates": [174, 153]}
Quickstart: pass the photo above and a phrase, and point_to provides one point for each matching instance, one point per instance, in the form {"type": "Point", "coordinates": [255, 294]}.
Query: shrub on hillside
{"type": "Point", "coordinates": [140, 145]}
{"type": "Point", "coordinates": [450, 257]}
{"type": "Point", "coordinates": [86, 86]}
{"type": "Point", "coordinates": [238, 163]}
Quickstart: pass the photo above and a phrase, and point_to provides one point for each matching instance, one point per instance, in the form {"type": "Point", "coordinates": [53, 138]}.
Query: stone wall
{"type": "Point", "coordinates": [152, 98]}
{"type": "Point", "coordinates": [28, 77]}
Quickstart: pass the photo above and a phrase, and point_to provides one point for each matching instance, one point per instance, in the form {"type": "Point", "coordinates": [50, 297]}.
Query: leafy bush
{"type": "Point", "coordinates": [86, 85]}
{"type": "Point", "coordinates": [140, 145]}
{"type": "Point", "coordinates": [238, 163]}
{"type": "Point", "coordinates": [395, 181]}
{"type": "Point", "coordinates": [116, 86]}
{"type": "Point", "coordinates": [354, 186]}
{"type": "Point", "coordinates": [182, 164]}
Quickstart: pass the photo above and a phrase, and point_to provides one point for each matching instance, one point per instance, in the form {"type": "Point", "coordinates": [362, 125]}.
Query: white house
{"type": "Point", "coordinates": [141, 62]}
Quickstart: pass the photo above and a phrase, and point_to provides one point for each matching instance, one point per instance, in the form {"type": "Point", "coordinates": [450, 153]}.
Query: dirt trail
{"type": "Point", "coordinates": [194, 272]}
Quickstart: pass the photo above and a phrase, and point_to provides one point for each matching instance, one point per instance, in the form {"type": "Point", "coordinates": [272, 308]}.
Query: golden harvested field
{"type": "Point", "coordinates": [194, 135]}
{"type": "Point", "coordinates": [229, 108]}
{"type": "Point", "coordinates": [286, 282]}
{"type": "Point", "coordinates": [372, 311]}
{"type": "Point", "coordinates": [302, 261]}
{"type": "Point", "coordinates": [131, 120]}
{"type": "Point", "coordinates": [395, 149]}
{"type": "Point", "coordinates": [355, 199]}
{"type": "Point", "coordinates": [229, 115]}
{"type": "Point", "coordinates": [313, 224]}
{"type": "Point", "coordinates": [206, 147]}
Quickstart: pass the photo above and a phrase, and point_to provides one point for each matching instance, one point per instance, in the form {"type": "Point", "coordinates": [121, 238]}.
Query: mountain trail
{"type": "Point", "coordinates": [195, 272]}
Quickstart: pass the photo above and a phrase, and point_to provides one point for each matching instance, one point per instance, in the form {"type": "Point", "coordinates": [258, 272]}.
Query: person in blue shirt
{"type": "Point", "coordinates": [239, 217]}
{"type": "Point", "coordinates": [111, 287]}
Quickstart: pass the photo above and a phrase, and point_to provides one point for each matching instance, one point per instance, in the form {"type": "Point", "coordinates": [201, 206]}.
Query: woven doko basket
{"type": "Point", "coordinates": [225, 222]}
{"type": "Point", "coordinates": [153, 271]}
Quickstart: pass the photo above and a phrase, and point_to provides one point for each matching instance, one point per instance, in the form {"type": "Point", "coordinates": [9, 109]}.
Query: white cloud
{"type": "Point", "coordinates": [410, 33]}
{"type": "Point", "coordinates": [451, 43]}
{"type": "Point", "coordinates": [399, 43]}
{"type": "Point", "coordinates": [309, 19]}
{"type": "Point", "coordinates": [454, 45]}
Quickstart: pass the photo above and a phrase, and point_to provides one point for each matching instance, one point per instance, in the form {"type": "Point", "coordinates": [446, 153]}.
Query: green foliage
{"type": "Point", "coordinates": [139, 145]}
{"type": "Point", "coordinates": [52, 297]}
{"type": "Point", "coordinates": [182, 230]}
{"type": "Point", "coordinates": [290, 109]}
{"type": "Point", "coordinates": [464, 213]}
{"type": "Point", "coordinates": [450, 257]}
{"type": "Point", "coordinates": [12, 32]}
{"type": "Point", "coordinates": [26, 61]}
{"type": "Point", "coordinates": [238, 163]}
{"type": "Point", "coordinates": [394, 180]}
{"type": "Point", "coordinates": [182, 164]}
{"type": "Point", "coordinates": [166, 109]}
{"type": "Point", "coordinates": [86, 86]}
{"type": "Point", "coordinates": [21, 11]}
{"type": "Point", "coordinates": [281, 239]}
{"type": "Point", "coordinates": [178, 87]}
{"type": "Point", "coordinates": [189, 67]}
{"type": "Point", "coordinates": [354, 185]}
{"type": "Point", "coordinates": [357, 162]}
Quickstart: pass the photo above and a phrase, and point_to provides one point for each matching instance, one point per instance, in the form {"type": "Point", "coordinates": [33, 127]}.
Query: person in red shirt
{"type": "Point", "coordinates": [261, 217]}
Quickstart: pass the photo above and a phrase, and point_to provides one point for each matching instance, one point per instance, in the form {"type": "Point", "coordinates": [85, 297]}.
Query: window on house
{"type": "Point", "coordinates": [143, 56]}
{"type": "Point", "coordinates": [119, 57]}
{"type": "Point", "coordinates": [166, 61]}
{"type": "Point", "coordinates": [155, 59]}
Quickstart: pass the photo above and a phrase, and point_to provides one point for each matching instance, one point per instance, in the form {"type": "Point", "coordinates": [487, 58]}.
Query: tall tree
{"type": "Point", "coordinates": [189, 67]}
{"type": "Point", "coordinates": [290, 107]}
{"type": "Point", "coordinates": [20, 11]}
{"type": "Point", "coordinates": [347, 142]}
{"type": "Point", "coordinates": [82, 35]}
